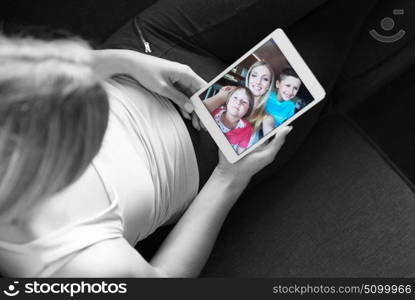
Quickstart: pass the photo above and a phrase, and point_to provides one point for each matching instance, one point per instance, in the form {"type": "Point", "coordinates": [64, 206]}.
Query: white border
{"type": "Point", "coordinates": [296, 62]}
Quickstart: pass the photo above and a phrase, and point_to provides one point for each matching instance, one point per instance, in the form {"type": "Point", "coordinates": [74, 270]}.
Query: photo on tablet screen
{"type": "Point", "coordinates": [256, 96]}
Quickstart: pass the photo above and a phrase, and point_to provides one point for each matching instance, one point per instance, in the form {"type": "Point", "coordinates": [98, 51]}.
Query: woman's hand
{"type": "Point", "coordinates": [227, 89]}
{"type": "Point", "coordinates": [167, 78]}
{"type": "Point", "coordinates": [172, 80]}
{"type": "Point", "coordinates": [187, 248]}
{"type": "Point", "coordinates": [242, 171]}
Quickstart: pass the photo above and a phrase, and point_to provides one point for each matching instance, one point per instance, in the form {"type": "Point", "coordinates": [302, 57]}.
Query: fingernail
{"type": "Point", "coordinates": [188, 107]}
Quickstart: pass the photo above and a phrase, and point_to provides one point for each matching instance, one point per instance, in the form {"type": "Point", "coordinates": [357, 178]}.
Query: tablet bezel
{"type": "Point", "coordinates": [299, 66]}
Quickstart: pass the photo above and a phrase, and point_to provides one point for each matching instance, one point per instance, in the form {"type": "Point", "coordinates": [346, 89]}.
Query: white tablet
{"type": "Point", "coordinates": [264, 90]}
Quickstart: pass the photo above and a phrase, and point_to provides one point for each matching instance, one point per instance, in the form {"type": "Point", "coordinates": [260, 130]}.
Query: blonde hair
{"type": "Point", "coordinates": [258, 115]}
{"type": "Point", "coordinates": [53, 116]}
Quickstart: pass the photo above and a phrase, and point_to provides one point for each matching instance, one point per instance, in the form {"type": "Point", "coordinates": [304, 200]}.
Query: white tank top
{"type": "Point", "coordinates": [148, 167]}
{"type": "Point", "coordinates": [148, 138]}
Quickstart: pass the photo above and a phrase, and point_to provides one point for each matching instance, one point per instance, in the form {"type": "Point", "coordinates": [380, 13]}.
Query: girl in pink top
{"type": "Point", "coordinates": [230, 118]}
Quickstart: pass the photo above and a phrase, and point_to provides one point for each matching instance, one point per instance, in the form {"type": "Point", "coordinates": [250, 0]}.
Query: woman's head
{"type": "Point", "coordinates": [240, 102]}
{"type": "Point", "coordinates": [260, 78]}
{"type": "Point", "coordinates": [53, 115]}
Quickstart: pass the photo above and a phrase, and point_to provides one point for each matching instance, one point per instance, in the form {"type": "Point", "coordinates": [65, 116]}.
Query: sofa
{"type": "Point", "coordinates": [342, 203]}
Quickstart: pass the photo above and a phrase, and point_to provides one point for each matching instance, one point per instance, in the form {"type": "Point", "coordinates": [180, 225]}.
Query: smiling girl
{"type": "Point", "coordinates": [229, 118]}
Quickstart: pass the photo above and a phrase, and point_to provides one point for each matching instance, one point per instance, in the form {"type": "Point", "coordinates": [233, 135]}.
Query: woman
{"type": "Point", "coordinates": [259, 80]}
{"type": "Point", "coordinates": [91, 167]}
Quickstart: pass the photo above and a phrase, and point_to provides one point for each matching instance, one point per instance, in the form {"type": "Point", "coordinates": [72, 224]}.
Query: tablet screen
{"type": "Point", "coordinates": [255, 96]}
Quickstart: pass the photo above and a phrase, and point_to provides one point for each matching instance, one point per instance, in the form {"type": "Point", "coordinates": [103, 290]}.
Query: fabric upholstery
{"type": "Point", "coordinates": [339, 209]}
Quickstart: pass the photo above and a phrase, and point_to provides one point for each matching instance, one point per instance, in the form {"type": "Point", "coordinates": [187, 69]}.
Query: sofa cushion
{"type": "Point", "coordinates": [372, 64]}
{"type": "Point", "coordinates": [340, 209]}
{"type": "Point", "coordinates": [90, 19]}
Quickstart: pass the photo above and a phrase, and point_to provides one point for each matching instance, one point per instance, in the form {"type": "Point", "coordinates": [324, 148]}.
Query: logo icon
{"type": "Point", "coordinates": [388, 24]}
{"type": "Point", "coordinates": [11, 291]}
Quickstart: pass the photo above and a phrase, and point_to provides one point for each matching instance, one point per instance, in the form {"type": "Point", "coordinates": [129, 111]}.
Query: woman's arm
{"type": "Point", "coordinates": [187, 247]}
{"type": "Point", "coordinates": [185, 250]}
{"type": "Point", "coordinates": [215, 101]}
{"type": "Point", "coordinates": [218, 99]}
